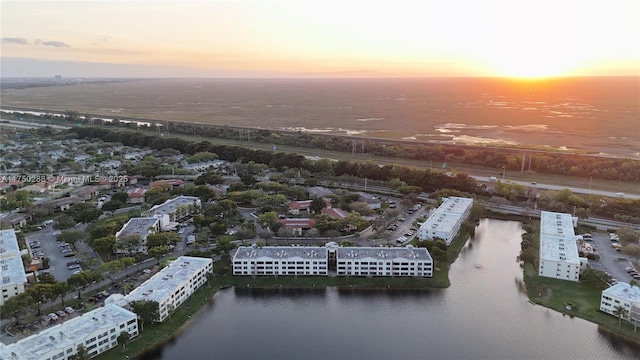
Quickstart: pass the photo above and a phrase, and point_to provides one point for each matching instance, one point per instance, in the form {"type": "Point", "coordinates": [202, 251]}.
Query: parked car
{"type": "Point", "coordinates": [61, 313]}
{"type": "Point", "coordinates": [69, 310]}
{"type": "Point", "coordinates": [53, 316]}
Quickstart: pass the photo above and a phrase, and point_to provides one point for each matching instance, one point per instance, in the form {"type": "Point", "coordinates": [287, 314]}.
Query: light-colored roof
{"type": "Point", "coordinates": [138, 226]}
{"type": "Point", "coordinates": [455, 205]}
{"type": "Point", "coordinates": [11, 266]}
{"type": "Point", "coordinates": [383, 253]}
{"type": "Point", "coordinates": [164, 283]}
{"type": "Point", "coordinates": [278, 252]}
{"type": "Point", "coordinates": [441, 222]}
{"type": "Point", "coordinates": [172, 205]}
{"type": "Point", "coordinates": [304, 223]}
{"type": "Point", "coordinates": [557, 239]}
{"type": "Point", "coordinates": [624, 291]}
{"type": "Point", "coordinates": [69, 333]}
{"type": "Point", "coordinates": [136, 193]}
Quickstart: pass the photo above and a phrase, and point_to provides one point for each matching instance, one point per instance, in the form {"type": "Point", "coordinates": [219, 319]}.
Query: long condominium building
{"type": "Point", "coordinates": [348, 261]}
{"type": "Point", "coordinates": [171, 286]}
{"type": "Point", "coordinates": [444, 223]}
{"type": "Point", "coordinates": [97, 331]}
{"type": "Point", "coordinates": [377, 261]}
{"type": "Point", "coordinates": [11, 267]}
{"type": "Point", "coordinates": [558, 249]}
{"type": "Point", "coordinates": [280, 260]}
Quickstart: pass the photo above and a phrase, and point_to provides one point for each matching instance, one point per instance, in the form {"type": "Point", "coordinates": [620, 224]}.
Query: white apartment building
{"type": "Point", "coordinates": [621, 294]}
{"type": "Point", "coordinates": [444, 223]}
{"type": "Point", "coordinates": [143, 227]}
{"type": "Point", "coordinates": [96, 330]}
{"type": "Point", "coordinates": [280, 260]}
{"type": "Point", "coordinates": [174, 284]}
{"type": "Point", "coordinates": [558, 249]}
{"type": "Point", "coordinates": [380, 261]}
{"type": "Point", "coordinates": [175, 210]}
{"type": "Point", "coordinates": [12, 271]}
{"type": "Point", "coordinates": [317, 260]}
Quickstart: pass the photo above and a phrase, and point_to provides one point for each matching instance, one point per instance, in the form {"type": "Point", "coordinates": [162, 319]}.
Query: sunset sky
{"type": "Point", "coordinates": [320, 38]}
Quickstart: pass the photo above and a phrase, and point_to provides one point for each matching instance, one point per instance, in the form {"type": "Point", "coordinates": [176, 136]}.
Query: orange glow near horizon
{"type": "Point", "coordinates": [351, 38]}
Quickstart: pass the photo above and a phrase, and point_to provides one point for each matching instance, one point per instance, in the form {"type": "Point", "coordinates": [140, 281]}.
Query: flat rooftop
{"type": "Point", "coordinates": [455, 205]}
{"type": "Point", "coordinates": [555, 224]}
{"type": "Point", "coordinates": [171, 205]}
{"type": "Point", "coordinates": [441, 222]}
{"type": "Point", "coordinates": [69, 333]}
{"type": "Point", "coordinates": [382, 253]}
{"type": "Point", "coordinates": [557, 239]}
{"type": "Point", "coordinates": [11, 266]}
{"type": "Point", "coordinates": [624, 291]}
{"type": "Point", "coordinates": [287, 252]}
{"type": "Point", "coordinates": [138, 226]}
{"type": "Point", "coordinates": [164, 283]}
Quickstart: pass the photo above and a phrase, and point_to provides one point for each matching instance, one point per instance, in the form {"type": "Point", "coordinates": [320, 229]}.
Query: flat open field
{"type": "Point", "coordinates": [599, 115]}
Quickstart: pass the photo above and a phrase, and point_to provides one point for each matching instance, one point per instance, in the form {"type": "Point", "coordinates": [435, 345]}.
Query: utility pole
{"type": "Point", "coordinates": [530, 161]}
{"type": "Point", "coordinates": [522, 167]}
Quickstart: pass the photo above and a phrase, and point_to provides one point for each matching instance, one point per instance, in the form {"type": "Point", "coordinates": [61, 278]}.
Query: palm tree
{"type": "Point", "coordinates": [620, 312]}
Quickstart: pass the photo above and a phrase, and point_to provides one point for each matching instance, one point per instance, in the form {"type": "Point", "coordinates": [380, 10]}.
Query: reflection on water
{"type": "Point", "coordinates": [481, 316]}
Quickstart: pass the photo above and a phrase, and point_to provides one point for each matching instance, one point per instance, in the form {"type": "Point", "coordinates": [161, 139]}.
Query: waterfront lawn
{"type": "Point", "coordinates": [556, 294]}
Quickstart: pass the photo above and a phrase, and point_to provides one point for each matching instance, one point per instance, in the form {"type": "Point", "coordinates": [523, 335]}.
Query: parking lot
{"type": "Point", "coordinates": [43, 243]}
{"type": "Point", "coordinates": [611, 261]}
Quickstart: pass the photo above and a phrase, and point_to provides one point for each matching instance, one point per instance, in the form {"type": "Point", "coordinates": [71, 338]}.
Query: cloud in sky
{"type": "Point", "coordinates": [54, 43]}
{"type": "Point", "coordinates": [23, 41]}
{"type": "Point", "coordinates": [10, 40]}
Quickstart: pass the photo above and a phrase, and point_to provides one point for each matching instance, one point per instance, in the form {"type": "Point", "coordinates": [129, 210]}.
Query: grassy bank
{"type": "Point", "coordinates": [584, 298]}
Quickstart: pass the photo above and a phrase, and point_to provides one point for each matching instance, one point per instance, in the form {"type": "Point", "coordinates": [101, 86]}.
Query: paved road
{"type": "Point", "coordinates": [576, 190]}
{"type": "Point", "coordinates": [610, 261]}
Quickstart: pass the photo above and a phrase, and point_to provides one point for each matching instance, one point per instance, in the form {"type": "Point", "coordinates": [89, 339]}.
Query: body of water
{"type": "Point", "coordinates": [485, 314]}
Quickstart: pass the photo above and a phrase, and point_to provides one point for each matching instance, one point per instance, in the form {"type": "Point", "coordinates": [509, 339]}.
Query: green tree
{"type": "Point", "coordinates": [317, 205]}
{"type": "Point", "coordinates": [268, 219]}
{"type": "Point", "coordinates": [111, 268]}
{"type": "Point", "coordinates": [63, 222]}
{"type": "Point", "coordinates": [84, 213]}
{"type": "Point", "coordinates": [620, 312]}
{"type": "Point", "coordinates": [112, 205]}
{"type": "Point", "coordinates": [17, 306]}
{"type": "Point", "coordinates": [71, 236]}
{"type": "Point", "coordinates": [210, 178]}
{"type": "Point", "coordinates": [158, 252]}
{"type": "Point", "coordinates": [224, 245]}
{"type": "Point", "coordinates": [129, 243]}
{"type": "Point", "coordinates": [61, 289]}
{"type": "Point", "coordinates": [105, 245]}
{"type": "Point", "coordinates": [81, 354]}
{"type": "Point", "coordinates": [163, 238]}
{"type": "Point", "coordinates": [120, 196]}
{"type": "Point", "coordinates": [41, 293]}
{"type": "Point", "coordinates": [123, 338]}
{"type": "Point", "coordinates": [46, 278]}
{"type": "Point", "coordinates": [147, 311]}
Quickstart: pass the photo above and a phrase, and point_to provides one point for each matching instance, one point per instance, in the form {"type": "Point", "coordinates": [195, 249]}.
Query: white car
{"type": "Point", "coordinates": [69, 310]}
{"type": "Point", "coordinates": [181, 231]}
{"type": "Point", "coordinates": [53, 316]}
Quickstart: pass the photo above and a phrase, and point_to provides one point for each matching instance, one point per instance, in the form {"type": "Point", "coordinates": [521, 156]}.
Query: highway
{"type": "Point", "coordinates": [575, 190]}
